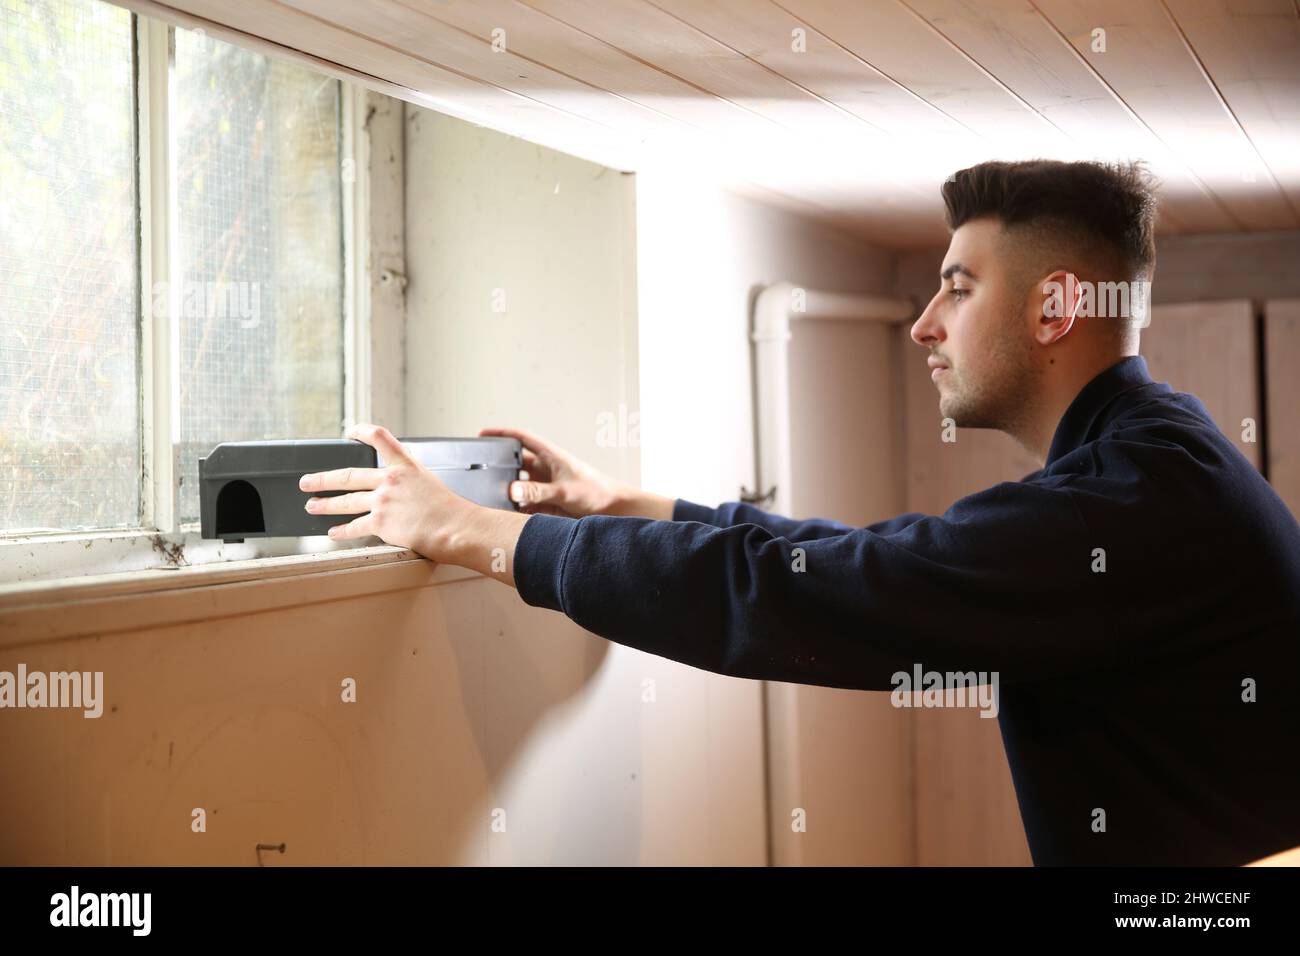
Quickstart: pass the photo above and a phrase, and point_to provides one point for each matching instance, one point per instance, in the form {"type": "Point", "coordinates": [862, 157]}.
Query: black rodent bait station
{"type": "Point", "coordinates": [249, 489]}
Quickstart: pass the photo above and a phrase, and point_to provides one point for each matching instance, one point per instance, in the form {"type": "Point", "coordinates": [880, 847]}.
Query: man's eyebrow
{"type": "Point", "coordinates": [953, 269]}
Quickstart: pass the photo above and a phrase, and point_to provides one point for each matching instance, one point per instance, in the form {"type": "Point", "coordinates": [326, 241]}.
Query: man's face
{"type": "Point", "coordinates": [977, 330]}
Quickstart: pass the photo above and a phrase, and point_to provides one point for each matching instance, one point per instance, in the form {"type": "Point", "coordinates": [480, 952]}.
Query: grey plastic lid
{"type": "Point", "coordinates": [454, 453]}
{"type": "Point", "coordinates": [239, 459]}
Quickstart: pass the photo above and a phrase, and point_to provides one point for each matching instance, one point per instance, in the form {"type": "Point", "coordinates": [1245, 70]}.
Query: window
{"type": "Point", "coordinates": [260, 253]}
{"type": "Point", "coordinates": [172, 263]}
{"type": "Point", "coordinates": [69, 269]}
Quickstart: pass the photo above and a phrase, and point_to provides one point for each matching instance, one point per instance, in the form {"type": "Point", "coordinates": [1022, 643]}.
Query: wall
{"type": "Point", "coordinates": [549, 240]}
{"type": "Point", "coordinates": [841, 757]}
{"type": "Point", "coordinates": [227, 697]}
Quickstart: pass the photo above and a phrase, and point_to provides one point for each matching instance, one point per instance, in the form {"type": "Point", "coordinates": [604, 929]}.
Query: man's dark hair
{"type": "Point", "coordinates": [1104, 210]}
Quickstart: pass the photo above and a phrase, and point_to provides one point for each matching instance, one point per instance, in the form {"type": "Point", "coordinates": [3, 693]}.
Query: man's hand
{"type": "Point", "coordinates": [407, 505]}
{"type": "Point", "coordinates": [560, 484]}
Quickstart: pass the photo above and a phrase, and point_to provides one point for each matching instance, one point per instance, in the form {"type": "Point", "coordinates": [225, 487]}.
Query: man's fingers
{"type": "Point", "coordinates": [356, 503]}
{"type": "Point", "coordinates": [381, 440]}
{"type": "Point", "coordinates": [534, 463]}
{"type": "Point", "coordinates": [342, 479]}
{"type": "Point", "coordinates": [537, 469]}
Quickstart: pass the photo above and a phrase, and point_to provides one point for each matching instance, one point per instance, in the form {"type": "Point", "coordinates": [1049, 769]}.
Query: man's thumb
{"type": "Point", "coordinates": [534, 492]}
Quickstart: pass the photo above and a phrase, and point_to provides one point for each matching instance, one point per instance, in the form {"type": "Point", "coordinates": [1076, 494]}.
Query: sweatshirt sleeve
{"type": "Point", "coordinates": [1000, 582]}
{"type": "Point", "coordinates": [738, 512]}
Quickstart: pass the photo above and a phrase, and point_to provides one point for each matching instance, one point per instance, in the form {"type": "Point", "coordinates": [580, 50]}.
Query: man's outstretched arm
{"type": "Point", "coordinates": [1001, 582]}
{"type": "Point", "coordinates": [731, 513]}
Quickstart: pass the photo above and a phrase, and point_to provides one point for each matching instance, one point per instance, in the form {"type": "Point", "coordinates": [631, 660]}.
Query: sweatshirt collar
{"type": "Point", "coordinates": [1083, 418]}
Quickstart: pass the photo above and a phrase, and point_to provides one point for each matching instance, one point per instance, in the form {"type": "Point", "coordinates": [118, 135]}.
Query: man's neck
{"type": "Point", "coordinates": [1061, 384]}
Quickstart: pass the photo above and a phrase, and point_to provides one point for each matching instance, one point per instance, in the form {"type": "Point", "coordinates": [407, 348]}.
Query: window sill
{"type": "Point", "coordinates": [58, 556]}
{"type": "Point", "coordinates": [95, 604]}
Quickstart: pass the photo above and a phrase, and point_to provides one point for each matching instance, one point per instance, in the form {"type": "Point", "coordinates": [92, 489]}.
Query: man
{"type": "Point", "coordinates": [1138, 597]}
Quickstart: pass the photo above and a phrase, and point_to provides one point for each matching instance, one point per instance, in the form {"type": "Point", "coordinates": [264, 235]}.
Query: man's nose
{"type": "Point", "coordinates": [927, 331]}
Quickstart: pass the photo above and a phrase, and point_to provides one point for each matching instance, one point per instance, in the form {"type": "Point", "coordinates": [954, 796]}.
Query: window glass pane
{"type": "Point", "coordinates": [260, 276]}
{"type": "Point", "coordinates": [69, 393]}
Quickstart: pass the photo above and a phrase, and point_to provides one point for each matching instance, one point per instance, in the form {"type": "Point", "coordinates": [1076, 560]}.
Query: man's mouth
{"type": "Point", "coordinates": [937, 368]}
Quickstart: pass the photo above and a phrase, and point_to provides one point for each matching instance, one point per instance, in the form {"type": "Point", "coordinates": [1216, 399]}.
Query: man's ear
{"type": "Point", "coordinates": [1057, 301]}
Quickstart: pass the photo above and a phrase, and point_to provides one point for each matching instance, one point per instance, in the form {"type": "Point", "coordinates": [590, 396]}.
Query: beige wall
{"type": "Point", "coordinates": [228, 698]}
{"type": "Point", "coordinates": [1282, 398]}
{"type": "Point", "coordinates": [843, 758]}
{"type": "Point", "coordinates": [554, 238]}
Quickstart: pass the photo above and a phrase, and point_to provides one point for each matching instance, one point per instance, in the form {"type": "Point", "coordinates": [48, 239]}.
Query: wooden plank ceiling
{"type": "Point", "coordinates": [851, 111]}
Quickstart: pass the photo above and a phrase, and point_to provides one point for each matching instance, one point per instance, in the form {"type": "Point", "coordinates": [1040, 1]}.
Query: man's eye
{"type": "Point", "coordinates": [960, 293]}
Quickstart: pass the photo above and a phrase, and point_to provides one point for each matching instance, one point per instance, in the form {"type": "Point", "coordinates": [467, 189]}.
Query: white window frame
{"type": "Point", "coordinates": [161, 542]}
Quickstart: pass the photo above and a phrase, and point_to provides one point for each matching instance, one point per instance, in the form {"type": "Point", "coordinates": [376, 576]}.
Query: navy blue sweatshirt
{"type": "Point", "coordinates": [1138, 598]}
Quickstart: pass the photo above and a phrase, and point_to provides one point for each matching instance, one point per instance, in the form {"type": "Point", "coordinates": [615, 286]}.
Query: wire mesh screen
{"type": "Point", "coordinates": [69, 380]}
{"type": "Point", "coordinates": [260, 272]}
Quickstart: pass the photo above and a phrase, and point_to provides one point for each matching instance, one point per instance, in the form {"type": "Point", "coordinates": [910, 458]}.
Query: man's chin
{"type": "Point", "coordinates": [949, 406]}
{"type": "Point", "coordinates": [962, 415]}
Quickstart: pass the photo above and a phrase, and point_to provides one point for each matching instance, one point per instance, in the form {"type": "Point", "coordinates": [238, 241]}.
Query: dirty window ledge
{"type": "Point", "coordinates": [41, 568]}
